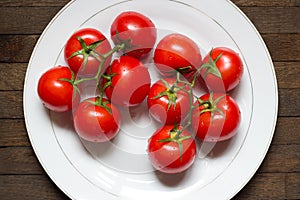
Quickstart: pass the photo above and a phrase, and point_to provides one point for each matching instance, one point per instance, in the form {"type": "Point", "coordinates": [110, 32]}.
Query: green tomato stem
{"type": "Point", "coordinates": [105, 57]}
{"type": "Point", "coordinates": [99, 101]}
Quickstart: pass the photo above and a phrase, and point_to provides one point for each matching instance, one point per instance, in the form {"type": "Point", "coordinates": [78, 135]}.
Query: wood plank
{"type": "Point", "coordinates": [287, 131]}
{"type": "Point", "coordinates": [33, 20]}
{"type": "Point", "coordinates": [11, 104]}
{"type": "Point", "coordinates": [22, 160]}
{"type": "Point", "coordinates": [268, 19]}
{"type": "Point", "coordinates": [22, 156]}
{"type": "Point", "coordinates": [289, 103]}
{"type": "Point", "coordinates": [287, 74]}
{"type": "Point", "coordinates": [18, 48]}
{"type": "Point", "coordinates": [282, 158]}
{"type": "Point", "coordinates": [263, 186]}
{"type": "Point", "coordinates": [283, 47]}
{"type": "Point", "coordinates": [28, 187]}
{"type": "Point", "coordinates": [267, 3]}
{"type": "Point", "coordinates": [37, 3]}
{"type": "Point", "coordinates": [13, 133]}
{"type": "Point", "coordinates": [12, 75]}
{"type": "Point", "coordinates": [31, 3]}
{"type": "Point", "coordinates": [19, 160]}
{"type": "Point", "coordinates": [293, 186]}
{"type": "Point", "coordinates": [25, 20]}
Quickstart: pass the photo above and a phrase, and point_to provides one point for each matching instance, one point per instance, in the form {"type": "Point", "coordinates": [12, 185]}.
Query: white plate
{"type": "Point", "coordinates": [120, 169]}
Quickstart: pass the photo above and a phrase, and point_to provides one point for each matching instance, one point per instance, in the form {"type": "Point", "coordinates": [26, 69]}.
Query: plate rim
{"type": "Point", "coordinates": [275, 117]}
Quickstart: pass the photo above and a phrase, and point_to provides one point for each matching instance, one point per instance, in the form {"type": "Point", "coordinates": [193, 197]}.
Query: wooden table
{"type": "Point", "coordinates": [22, 22]}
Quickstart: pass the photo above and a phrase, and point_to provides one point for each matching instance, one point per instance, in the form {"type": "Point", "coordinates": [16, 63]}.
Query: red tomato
{"type": "Point", "coordinates": [177, 52]}
{"type": "Point", "coordinates": [222, 69]}
{"type": "Point", "coordinates": [83, 49]}
{"type": "Point", "coordinates": [135, 30]}
{"type": "Point", "coordinates": [129, 81]}
{"type": "Point", "coordinates": [217, 118]}
{"type": "Point", "coordinates": [96, 122]}
{"type": "Point", "coordinates": [168, 105]}
{"type": "Point", "coordinates": [170, 152]}
{"type": "Point", "coordinates": [56, 90]}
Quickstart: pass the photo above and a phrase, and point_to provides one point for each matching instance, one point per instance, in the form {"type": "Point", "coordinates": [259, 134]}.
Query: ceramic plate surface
{"type": "Point", "coordinates": [120, 169]}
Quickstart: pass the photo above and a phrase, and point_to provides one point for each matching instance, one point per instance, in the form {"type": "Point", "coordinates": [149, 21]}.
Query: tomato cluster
{"type": "Point", "coordinates": [121, 79]}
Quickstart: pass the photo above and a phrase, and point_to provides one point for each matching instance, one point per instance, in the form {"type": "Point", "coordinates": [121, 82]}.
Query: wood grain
{"type": "Point", "coordinates": [267, 3]}
{"type": "Point", "coordinates": [19, 160]}
{"type": "Point", "coordinates": [290, 98]}
{"type": "Point", "coordinates": [283, 47]}
{"type": "Point", "coordinates": [11, 104]}
{"type": "Point", "coordinates": [273, 161]}
{"type": "Point", "coordinates": [33, 3]}
{"type": "Point", "coordinates": [18, 48]}
{"type": "Point", "coordinates": [25, 20]}
{"type": "Point", "coordinates": [287, 131]}
{"type": "Point", "coordinates": [289, 102]}
{"type": "Point", "coordinates": [287, 74]}
{"type": "Point", "coordinates": [258, 188]}
{"type": "Point", "coordinates": [33, 20]}
{"type": "Point", "coordinates": [264, 186]}
{"type": "Point", "coordinates": [22, 160]}
{"type": "Point", "coordinates": [292, 186]}
{"type": "Point", "coordinates": [13, 133]}
{"type": "Point", "coordinates": [13, 74]}
{"type": "Point", "coordinates": [29, 187]}
{"type": "Point", "coordinates": [240, 3]}
{"type": "Point", "coordinates": [278, 20]}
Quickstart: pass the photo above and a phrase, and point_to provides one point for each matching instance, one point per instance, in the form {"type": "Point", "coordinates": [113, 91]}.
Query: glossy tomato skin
{"type": "Point", "coordinates": [76, 63]}
{"type": "Point", "coordinates": [94, 123]}
{"type": "Point", "coordinates": [166, 156]}
{"type": "Point", "coordinates": [130, 82]}
{"type": "Point", "coordinates": [158, 107]}
{"type": "Point", "coordinates": [136, 30]}
{"type": "Point", "coordinates": [216, 127]}
{"type": "Point", "coordinates": [177, 52]}
{"type": "Point", "coordinates": [57, 94]}
{"type": "Point", "coordinates": [230, 67]}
